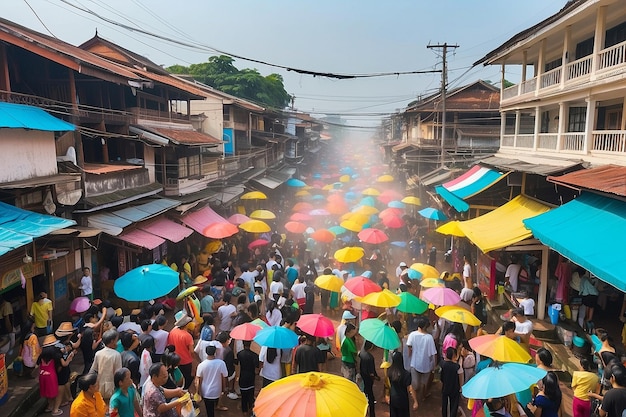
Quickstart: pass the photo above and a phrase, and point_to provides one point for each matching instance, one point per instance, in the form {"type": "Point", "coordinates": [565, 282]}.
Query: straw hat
{"type": "Point", "coordinates": [200, 279]}
{"type": "Point", "coordinates": [182, 319]}
{"type": "Point", "coordinates": [135, 312]}
{"type": "Point", "coordinates": [119, 312]}
{"type": "Point", "coordinates": [49, 340]}
{"type": "Point", "coordinates": [65, 329]}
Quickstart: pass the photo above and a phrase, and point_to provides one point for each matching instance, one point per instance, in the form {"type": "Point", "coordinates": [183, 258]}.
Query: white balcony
{"type": "Point", "coordinates": [601, 142]}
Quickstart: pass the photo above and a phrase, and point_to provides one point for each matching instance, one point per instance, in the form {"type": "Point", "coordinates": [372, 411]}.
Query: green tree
{"type": "Point", "coordinates": [219, 72]}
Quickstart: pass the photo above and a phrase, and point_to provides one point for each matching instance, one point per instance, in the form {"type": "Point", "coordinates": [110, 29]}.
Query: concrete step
{"type": "Point", "coordinates": [31, 406]}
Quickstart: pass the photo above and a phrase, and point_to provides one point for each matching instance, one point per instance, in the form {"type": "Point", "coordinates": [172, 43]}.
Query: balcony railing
{"type": "Point", "coordinates": [609, 141]}
{"type": "Point", "coordinates": [602, 141]}
{"type": "Point", "coordinates": [550, 78]}
{"type": "Point", "coordinates": [548, 141]}
{"type": "Point", "coordinates": [578, 68]}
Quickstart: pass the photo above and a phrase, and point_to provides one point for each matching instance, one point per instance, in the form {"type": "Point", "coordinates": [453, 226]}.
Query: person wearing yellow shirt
{"type": "Point", "coordinates": [41, 313]}
{"type": "Point", "coordinates": [89, 402]}
{"type": "Point", "coordinates": [583, 382]}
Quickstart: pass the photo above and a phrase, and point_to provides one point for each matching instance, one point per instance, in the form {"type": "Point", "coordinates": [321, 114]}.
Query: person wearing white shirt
{"type": "Point", "coordinates": [226, 314]}
{"type": "Point", "coordinates": [86, 284]}
{"type": "Point", "coordinates": [512, 273]}
{"type": "Point", "coordinates": [523, 326]}
{"type": "Point", "coordinates": [270, 368]}
{"type": "Point", "coordinates": [211, 380]}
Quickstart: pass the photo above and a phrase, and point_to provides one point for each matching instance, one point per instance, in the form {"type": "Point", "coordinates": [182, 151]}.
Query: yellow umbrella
{"type": "Point", "coordinates": [358, 218]}
{"type": "Point", "coordinates": [327, 187]}
{"type": "Point", "coordinates": [426, 270]}
{"type": "Point", "coordinates": [384, 298]}
{"type": "Point", "coordinates": [213, 246]}
{"type": "Point", "coordinates": [344, 178]}
{"type": "Point", "coordinates": [351, 226]}
{"type": "Point", "coordinates": [457, 315]}
{"type": "Point", "coordinates": [186, 292]}
{"type": "Point", "coordinates": [499, 348]}
{"type": "Point", "coordinates": [450, 228]}
{"type": "Point", "coordinates": [312, 394]}
{"type": "Point", "coordinates": [302, 193]}
{"type": "Point", "coordinates": [262, 215]}
{"type": "Point", "coordinates": [349, 254]}
{"type": "Point", "coordinates": [371, 191]}
{"type": "Point", "coordinates": [329, 282]}
{"type": "Point", "coordinates": [366, 210]}
{"type": "Point", "coordinates": [255, 226]}
{"type": "Point", "coordinates": [254, 195]}
{"type": "Point", "coordinates": [432, 282]}
{"type": "Point", "coordinates": [385, 178]}
{"type": "Point", "coordinates": [412, 200]}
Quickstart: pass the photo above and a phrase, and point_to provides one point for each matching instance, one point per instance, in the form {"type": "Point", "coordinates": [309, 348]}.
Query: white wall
{"type": "Point", "coordinates": [148, 159]}
{"type": "Point", "coordinates": [26, 154]}
{"type": "Point", "coordinates": [213, 110]}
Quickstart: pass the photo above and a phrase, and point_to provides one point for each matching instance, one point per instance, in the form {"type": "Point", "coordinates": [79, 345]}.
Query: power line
{"type": "Point", "coordinates": [38, 18]}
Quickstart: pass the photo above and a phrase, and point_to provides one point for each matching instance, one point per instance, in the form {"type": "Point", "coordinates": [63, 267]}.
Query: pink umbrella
{"type": "Point", "coordinates": [80, 304]}
{"type": "Point", "coordinates": [220, 230]}
{"type": "Point", "coordinates": [238, 219]}
{"type": "Point", "coordinates": [393, 222]}
{"type": "Point", "coordinates": [388, 212]}
{"type": "Point", "coordinates": [300, 217]}
{"type": "Point", "coordinates": [373, 236]}
{"type": "Point", "coordinates": [319, 212]}
{"type": "Point", "coordinates": [316, 325]}
{"type": "Point", "coordinates": [258, 243]}
{"type": "Point", "coordinates": [389, 195]}
{"type": "Point", "coordinates": [295, 227]}
{"type": "Point", "coordinates": [245, 331]}
{"type": "Point", "coordinates": [441, 296]}
{"type": "Point", "coordinates": [361, 286]}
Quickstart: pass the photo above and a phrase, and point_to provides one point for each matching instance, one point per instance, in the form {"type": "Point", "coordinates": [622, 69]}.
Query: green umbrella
{"type": "Point", "coordinates": [377, 332]}
{"type": "Point", "coordinates": [411, 304]}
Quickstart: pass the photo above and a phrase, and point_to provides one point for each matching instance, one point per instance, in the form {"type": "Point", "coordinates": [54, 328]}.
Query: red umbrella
{"type": "Point", "coordinates": [373, 236]}
{"type": "Point", "coordinates": [238, 218]}
{"type": "Point", "coordinates": [245, 331]}
{"type": "Point", "coordinates": [323, 235]}
{"type": "Point", "coordinates": [220, 230]}
{"type": "Point", "coordinates": [295, 227]}
{"type": "Point", "coordinates": [393, 222]}
{"type": "Point", "coordinates": [258, 243]}
{"type": "Point", "coordinates": [300, 217]}
{"type": "Point", "coordinates": [389, 195]}
{"type": "Point", "coordinates": [361, 286]}
{"type": "Point", "coordinates": [391, 212]}
{"type": "Point", "coordinates": [316, 325]}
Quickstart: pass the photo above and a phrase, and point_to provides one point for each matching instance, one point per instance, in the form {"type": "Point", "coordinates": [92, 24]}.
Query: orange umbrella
{"type": "Point", "coordinates": [302, 207]}
{"type": "Point", "coordinates": [220, 230]}
{"type": "Point", "coordinates": [295, 227]}
{"type": "Point", "coordinates": [373, 236]}
{"type": "Point", "coordinates": [323, 235]}
{"type": "Point", "coordinates": [499, 348]}
{"type": "Point", "coordinates": [336, 207]}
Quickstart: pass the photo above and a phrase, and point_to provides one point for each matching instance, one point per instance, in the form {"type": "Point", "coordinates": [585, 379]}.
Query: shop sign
{"type": "Point", "coordinates": [14, 276]}
{"type": "Point", "coordinates": [4, 380]}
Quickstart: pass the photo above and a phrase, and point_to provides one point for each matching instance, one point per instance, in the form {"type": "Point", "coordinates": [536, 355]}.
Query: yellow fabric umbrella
{"type": "Point", "coordinates": [371, 191]}
{"type": "Point", "coordinates": [358, 218]}
{"type": "Point", "coordinates": [349, 254]}
{"type": "Point", "coordinates": [451, 228]}
{"type": "Point", "coordinates": [432, 282]}
{"type": "Point", "coordinates": [499, 348]}
{"type": "Point", "coordinates": [254, 195]}
{"type": "Point", "coordinates": [329, 282]}
{"type": "Point", "coordinates": [312, 394]}
{"type": "Point", "coordinates": [426, 270]}
{"type": "Point", "coordinates": [262, 215]}
{"type": "Point", "coordinates": [302, 193]}
{"type": "Point", "coordinates": [384, 298]}
{"type": "Point", "coordinates": [344, 178]}
{"type": "Point", "coordinates": [213, 246]}
{"type": "Point", "coordinates": [351, 226]}
{"type": "Point", "coordinates": [366, 210]}
{"type": "Point", "coordinates": [186, 292]}
{"type": "Point", "coordinates": [255, 226]}
{"type": "Point", "coordinates": [412, 200]}
{"type": "Point", "coordinates": [385, 178]}
{"type": "Point", "coordinates": [327, 187]}
{"type": "Point", "coordinates": [457, 315]}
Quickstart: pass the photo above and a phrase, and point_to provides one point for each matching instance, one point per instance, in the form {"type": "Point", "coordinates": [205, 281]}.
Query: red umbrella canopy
{"type": "Point", "coordinates": [295, 227]}
{"type": "Point", "coordinates": [220, 230]}
{"type": "Point", "coordinates": [316, 325]}
{"type": "Point", "coordinates": [258, 243]}
{"type": "Point", "coordinates": [300, 217]}
{"type": "Point", "coordinates": [373, 236]}
{"type": "Point", "coordinates": [388, 212]}
{"type": "Point", "coordinates": [245, 331]}
{"type": "Point", "coordinates": [389, 195]}
{"type": "Point", "coordinates": [393, 222]}
{"type": "Point", "coordinates": [361, 286]}
{"type": "Point", "coordinates": [323, 235]}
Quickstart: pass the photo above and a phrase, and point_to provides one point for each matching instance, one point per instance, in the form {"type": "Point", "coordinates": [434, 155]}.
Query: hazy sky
{"type": "Point", "coordinates": [338, 36]}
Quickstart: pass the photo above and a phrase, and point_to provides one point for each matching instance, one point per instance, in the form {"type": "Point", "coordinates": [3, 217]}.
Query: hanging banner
{"type": "Point", "coordinates": [228, 136]}
{"type": "Point", "coordinates": [4, 380]}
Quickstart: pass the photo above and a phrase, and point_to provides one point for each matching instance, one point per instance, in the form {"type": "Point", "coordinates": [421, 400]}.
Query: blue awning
{"type": "Point", "coordinates": [590, 231]}
{"type": "Point", "coordinates": [19, 227]}
{"type": "Point", "coordinates": [20, 116]}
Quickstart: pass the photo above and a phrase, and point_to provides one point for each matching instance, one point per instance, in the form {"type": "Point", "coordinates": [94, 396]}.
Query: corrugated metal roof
{"type": "Point", "coordinates": [199, 220]}
{"type": "Point", "coordinates": [530, 167]}
{"type": "Point", "coordinates": [120, 197]}
{"type": "Point", "coordinates": [114, 222]}
{"type": "Point", "coordinates": [186, 136]}
{"type": "Point", "coordinates": [142, 239]}
{"type": "Point", "coordinates": [41, 181]}
{"type": "Point", "coordinates": [98, 169]}
{"type": "Point", "coordinates": [607, 178]}
{"type": "Point", "coordinates": [172, 82]}
{"type": "Point", "coordinates": [166, 229]}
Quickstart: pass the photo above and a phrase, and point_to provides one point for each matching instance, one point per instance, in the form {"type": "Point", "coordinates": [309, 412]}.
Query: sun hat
{"type": "Point", "coordinates": [49, 340]}
{"type": "Point", "coordinates": [65, 329]}
{"type": "Point", "coordinates": [119, 312]}
{"type": "Point", "coordinates": [200, 279]}
{"type": "Point", "coordinates": [182, 319]}
{"type": "Point", "coordinates": [348, 316]}
{"type": "Point", "coordinates": [402, 264]}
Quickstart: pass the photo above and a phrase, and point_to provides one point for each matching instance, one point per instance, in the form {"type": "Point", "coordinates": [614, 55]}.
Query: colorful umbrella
{"type": "Point", "coordinates": [300, 217]}
{"type": "Point", "coordinates": [384, 298]}
{"type": "Point", "coordinates": [295, 227]}
{"type": "Point", "coordinates": [366, 210]}
{"type": "Point", "coordinates": [457, 315]}
{"type": "Point", "coordinates": [368, 201]}
{"type": "Point", "coordinates": [384, 178]}
{"type": "Point", "coordinates": [146, 282]}
{"type": "Point", "coordinates": [259, 243]}
{"type": "Point", "coordinates": [276, 337]}
{"type": "Point", "coordinates": [430, 282]}
{"type": "Point", "coordinates": [412, 200]}
{"type": "Point", "coordinates": [323, 235]}
{"type": "Point", "coordinates": [238, 218]}
{"type": "Point", "coordinates": [433, 214]}
{"type": "Point", "coordinates": [389, 195]}
{"type": "Point", "coordinates": [316, 325]}
{"type": "Point", "coordinates": [377, 332]}
{"type": "Point", "coordinates": [393, 222]}
{"type": "Point", "coordinates": [344, 178]}
{"type": "Point", "coordinates": [337, 230]}
{"type": "Point", "coordinates": [390, 212]}
{"type": "Point", "coordinates": [319, 212]}
{"type": "Point", "coordinates": [302, 193]}
{"type": "Point", "coordinates": [361, 286]}
{"type": "Point", "coordinates": [500, 348]}
{"type": "Point", "coordinates": [80, 304]}
{"type": "Point", "coordinates": [302, 206]}
{"type": "Point", "coordinates": [501, 380]}
{"type": "Point", "coordinates": [187, 292]}
{"type": "Point", "coordinates": [426, 270]}
{"type": "Point", "coordinates": [312, 394]}
{"type": "Point", "coordinates": [245, 331]}
{"type": "Point", "coordinates": [262, 215]}
{"type": "Point", "coordinates": [411, 304]}
{"type": "Point", "coordinates": [260, 323]}
{"type": "Point", "coordinates": [294, 182]}
{"type": "Point", "coordinates": [373, 236]}
{"type": "Point", "coordinates": [441, 296]}
{"type": "Point", "coordinates": [349, 254]}
{"type": "Point", "coordinates": [371, 192]}
{"type": "Point", "coordinates": [254, 195]}
{"type": "Point", "coordinates": [255, 226]}
{"type": "Point", "coordinates": [329, 282]}
{"type": "Point", "coordinates": [396, 204]}
{"type": "Point", "coordinates": [413, 274]}
{"type": "Point", "coordinates": [351, 226]}
{"type": "Point", "coordinates": [220, 230]}
{"type": "Point", "coordinates": [213, 246]}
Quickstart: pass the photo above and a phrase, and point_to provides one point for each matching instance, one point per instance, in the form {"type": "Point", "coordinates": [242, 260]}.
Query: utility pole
{"type": "Point", "coordinates": [444, 81]}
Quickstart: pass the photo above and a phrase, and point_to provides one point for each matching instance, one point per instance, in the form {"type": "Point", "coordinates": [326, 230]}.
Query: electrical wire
{"type": "Point", "coordinates": [38, 18]}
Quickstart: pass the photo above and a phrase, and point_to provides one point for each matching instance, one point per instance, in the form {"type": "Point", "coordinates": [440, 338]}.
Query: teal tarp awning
{"type": "Point", "coordinates": [19, 227]}
{"type": "Point", "coordinates": [590, 231]}
{"type": "Point", "coordinates": [20, 116]}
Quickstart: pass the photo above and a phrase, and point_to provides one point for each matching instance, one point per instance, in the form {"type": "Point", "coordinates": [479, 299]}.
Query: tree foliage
{"type": "Point", "coordinates": [220, 73]}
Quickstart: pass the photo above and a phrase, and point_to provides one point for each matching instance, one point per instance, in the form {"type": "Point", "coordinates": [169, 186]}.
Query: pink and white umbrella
{"type": "Point", "coordinates": [441, 296]}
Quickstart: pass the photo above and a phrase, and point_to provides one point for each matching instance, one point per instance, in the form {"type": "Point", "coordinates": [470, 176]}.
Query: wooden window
{"type": "Point", "coordinates": [577, 119]}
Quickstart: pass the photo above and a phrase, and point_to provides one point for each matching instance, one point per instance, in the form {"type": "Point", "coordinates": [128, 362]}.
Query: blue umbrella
{"type": "Point", "coordinates": [317, 176]}
{"type": "Point", "coordinates": [396, 204]}
{"type": "Point", "coordinates": [294, 182]}
{"type": "Point", "coordinates": [318, 197]}
{"type": "Point", "coordinates": [350, 195]}
{"type": "Point", "coordinates": [146, 283]}
{"type": "Point", "coordinates": [398, 244]}
{"type": "Point", "coordinates": [337, 230]}
{"type": "Point", "coordinates": [277, 337]}
{"type": "Point", "coordinates": [413, 274]}
{"type": "Point", "coordinates": [433, 214]}
{"type": "Point", "coordinates": [346, 170]}
{"type": "Point", "coordinates": [368, 201]}
{"type": "Point", "coordinates": [502, 379]}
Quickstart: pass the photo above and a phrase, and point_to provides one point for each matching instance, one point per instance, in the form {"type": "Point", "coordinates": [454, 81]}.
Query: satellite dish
{"type": "Point", "coordinates": [48, 203]}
